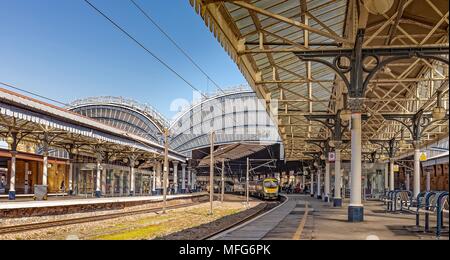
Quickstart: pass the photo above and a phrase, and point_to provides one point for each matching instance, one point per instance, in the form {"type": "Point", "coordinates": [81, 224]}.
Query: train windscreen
{"type": "Point", "coordinates": [270, 184]}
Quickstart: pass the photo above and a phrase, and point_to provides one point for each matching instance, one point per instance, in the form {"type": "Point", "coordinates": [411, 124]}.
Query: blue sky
{"type": "Point", "coordinates": [64, 50]}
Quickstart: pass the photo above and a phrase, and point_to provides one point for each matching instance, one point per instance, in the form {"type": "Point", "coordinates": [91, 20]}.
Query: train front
{"type": "Point", "coordinates": [271, 189]}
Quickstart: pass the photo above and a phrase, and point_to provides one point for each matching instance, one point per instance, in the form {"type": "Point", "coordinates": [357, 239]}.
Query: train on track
{"type": "Point", "coordinates": [267, 189]}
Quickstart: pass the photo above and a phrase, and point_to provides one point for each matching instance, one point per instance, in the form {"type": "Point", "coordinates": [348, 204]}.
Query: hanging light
{"type": "Point", "coordinates": [378, 7]}
{"type": "Point", "coordinates": [439, 112]}
{"type": "Point", "coordinates": [125, 160]}
{"type": "Point", "coordinates": [10, 140]}
{"type": "Point", "coordinates": [74, 150]}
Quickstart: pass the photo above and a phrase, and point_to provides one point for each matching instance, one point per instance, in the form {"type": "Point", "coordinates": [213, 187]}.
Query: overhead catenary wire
{"type": "Point", "coordinates": [165, 64]}
{"type": "Point", "coordinates": [117, 26]}
{"type": "Point", "coordinates": [141, 45]}
{"type": "Point", "coordinates": [153, 21]}
{"type": "Point", "coordinates": [33, 94]}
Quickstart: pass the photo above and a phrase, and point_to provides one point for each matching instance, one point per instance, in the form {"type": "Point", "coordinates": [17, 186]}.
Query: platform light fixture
{"type": "Point", "coordinates": [10, 139]}
{"type": "Point", "coordinates": [74, 150]}
{"type": "Point", "coordinates": [378, 7]}
{"type": "Point", "coordinates": [439, 112]}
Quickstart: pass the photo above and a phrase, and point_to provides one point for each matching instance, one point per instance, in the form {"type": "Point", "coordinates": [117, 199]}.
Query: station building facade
{"type": "Point", "coordinates": [29, 171]}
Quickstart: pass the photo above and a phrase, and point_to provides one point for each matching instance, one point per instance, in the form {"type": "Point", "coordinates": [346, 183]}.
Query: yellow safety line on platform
{"type": "Point", "coordinates": [298, 233]}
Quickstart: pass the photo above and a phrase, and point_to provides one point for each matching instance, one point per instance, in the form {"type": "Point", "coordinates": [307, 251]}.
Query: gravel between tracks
{"type": "Point", "coordinates": [144, 226]}
{"type": "Point", "coordinates": [199, 232]}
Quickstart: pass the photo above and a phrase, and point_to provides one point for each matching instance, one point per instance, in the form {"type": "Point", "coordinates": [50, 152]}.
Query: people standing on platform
{"type": "Point", "coordinates": [3, 184]}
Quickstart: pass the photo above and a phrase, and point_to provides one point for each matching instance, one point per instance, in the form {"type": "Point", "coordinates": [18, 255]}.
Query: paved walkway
{"type": "Point", "coordinates": [306, 218]}
{"type": "Point", "coordinates": [259, 228]}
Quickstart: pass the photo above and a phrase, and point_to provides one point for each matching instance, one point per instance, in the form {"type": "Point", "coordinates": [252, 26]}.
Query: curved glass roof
{"type": "Point", "coordinates": [124, 114]}
{"type": "Point", "coordinates": [235, 117]}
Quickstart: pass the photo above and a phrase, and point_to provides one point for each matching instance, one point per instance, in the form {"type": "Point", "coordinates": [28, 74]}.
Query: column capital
{"type": "Point", "coordinates": [355, 104]}
{"type": "Point", "coordinates": [337, 145]}
{"type": "Point", "coordinates": [416, 144]}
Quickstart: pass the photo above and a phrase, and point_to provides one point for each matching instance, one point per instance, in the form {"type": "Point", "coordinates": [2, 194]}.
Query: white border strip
{"type": "Point", "coordinates": [248, 222]}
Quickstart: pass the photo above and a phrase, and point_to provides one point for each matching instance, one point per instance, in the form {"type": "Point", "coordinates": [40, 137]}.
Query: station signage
{"type": "Point", "coordinates": [423, 157]}
{"type": "Point", "coordinates": [332, 157]}
{"type": "Point", "coordinates": [396, 168]}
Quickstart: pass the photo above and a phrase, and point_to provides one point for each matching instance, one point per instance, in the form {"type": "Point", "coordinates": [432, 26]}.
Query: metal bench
{"type": "Point", "coordinates": [419, 203]}
{"type": "Point", "coordinates": [441, 209]}
{"type": "Point", "coordinates": [426, 206]}
{"type": "Point", "coordinates": [388, 201]}
{"type": "Point", "coordinates": [404, 198]}
{"type": "Point", "coordinates": [398, 197]}
{"type": "Point", "coordinates": [385, 197]}
{"type": "Point", "coordinates": [432, 203]}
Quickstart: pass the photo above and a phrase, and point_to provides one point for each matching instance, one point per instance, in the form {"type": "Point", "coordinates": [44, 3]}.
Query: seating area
{"type": "Point", "coordinates": [397, 201]}
{"type": "Point", "coordinates": [429, 204]}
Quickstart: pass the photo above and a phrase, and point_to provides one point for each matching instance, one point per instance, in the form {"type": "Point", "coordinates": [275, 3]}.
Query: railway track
{"type": "Point", "coordinates": [81, 220]}
{"type": "Point", "coordinates": [267, 207]}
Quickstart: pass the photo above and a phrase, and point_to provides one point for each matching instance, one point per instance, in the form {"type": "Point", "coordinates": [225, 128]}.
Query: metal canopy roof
{"type": "Point", "coordinates": [262, 35]}
{"type": "Point", "coordinates": [31, 118]}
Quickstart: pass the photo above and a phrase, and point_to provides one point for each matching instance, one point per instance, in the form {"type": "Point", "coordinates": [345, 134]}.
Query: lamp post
{"type": "Point", "coordinates": [166, 168]}
{"type": "Point", "coordinates": [11, 139]}
{"type": "Point", "coordinates": [211, 173]}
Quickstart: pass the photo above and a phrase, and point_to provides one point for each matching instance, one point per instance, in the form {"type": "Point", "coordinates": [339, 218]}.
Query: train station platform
{"type": "Point", "coordinates": [306, 218]}
{"type": "Point", "coordinates": [68, 205]}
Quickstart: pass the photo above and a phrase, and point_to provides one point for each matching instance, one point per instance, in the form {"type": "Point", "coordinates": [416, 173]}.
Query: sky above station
{"type": "Point", "coordinates": [64, 50]}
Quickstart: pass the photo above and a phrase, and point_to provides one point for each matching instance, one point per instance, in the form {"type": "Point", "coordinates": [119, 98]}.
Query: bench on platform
{"type": "Point", "coordinates": [388, 199]}
{"type": "Point", "coordinates": [384, 197]}
{"type": "Point", "coordinates": [431, 203]}
{"type": "Point", "coordinates": [441, 211]}
{"type": "Point", "coordinates": [395, 198]}
{"type": "Point", "coordinates": [404, 198]}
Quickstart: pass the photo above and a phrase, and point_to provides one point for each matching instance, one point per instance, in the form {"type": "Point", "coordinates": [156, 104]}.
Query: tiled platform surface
{"type": "Point", "coordinates": [323, 222]}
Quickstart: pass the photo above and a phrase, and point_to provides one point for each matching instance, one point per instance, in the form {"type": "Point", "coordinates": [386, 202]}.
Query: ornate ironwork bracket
{"type": "Point", "coordinates": [390, 147]}
{"type": "Point", "coordinates": [417, 123]}
{"type": "Point", "coordinates": [334, 123]}
{"type": "Point", "coordinates": [372, 157]}
{"type": "Point", "coordinates": [324, 146]}
{"type": "Point", "coordinates": [360, 75]}
{"type": "Point", "coordinates": [316, 156]}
